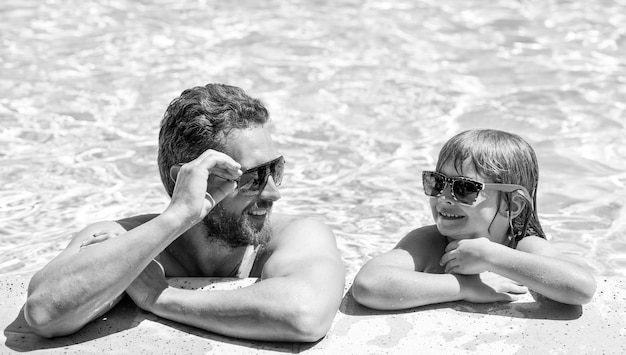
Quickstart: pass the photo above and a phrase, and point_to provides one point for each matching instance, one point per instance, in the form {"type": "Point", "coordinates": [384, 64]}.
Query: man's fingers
{"type": "Point", "coordinates": [98, 237]}
{"type": "Point", "coordinates": [210, 162]}
{"type": "Point", "coordinates": [220, 191]}
{"type": "Point", "coordinates": [225, 174]}
{"type": "Point", "coordinates": [101, 233]}
{"type": "Point", "coordinates": [212, 159]}
{"type": "Point", "coordinates": [214, 163]}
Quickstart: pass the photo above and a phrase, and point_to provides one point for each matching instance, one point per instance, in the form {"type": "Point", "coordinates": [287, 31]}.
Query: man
{"type": "Point", "coordinates": [219, 165]}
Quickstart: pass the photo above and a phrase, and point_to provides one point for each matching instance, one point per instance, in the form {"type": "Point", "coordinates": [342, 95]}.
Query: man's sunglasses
{"type": "Point", "coordinates": [254, 180]}
{"type": "Point", "coordinates": [465, 190]}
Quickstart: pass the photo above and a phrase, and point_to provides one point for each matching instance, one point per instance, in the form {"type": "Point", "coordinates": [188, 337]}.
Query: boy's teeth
{"type": "Point", "coordinates": [448, 215]}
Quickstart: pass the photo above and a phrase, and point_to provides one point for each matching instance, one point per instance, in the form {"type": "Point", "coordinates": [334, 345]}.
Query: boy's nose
{"type": "Point", "coordinates": [446, 194]}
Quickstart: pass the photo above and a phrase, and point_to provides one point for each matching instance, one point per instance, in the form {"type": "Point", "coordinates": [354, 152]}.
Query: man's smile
{"type": "Point", "coordinates": [259, 210]}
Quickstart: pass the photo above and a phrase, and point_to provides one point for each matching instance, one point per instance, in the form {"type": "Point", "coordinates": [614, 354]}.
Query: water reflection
{"type": "Point", "coordinates": [362, 95]}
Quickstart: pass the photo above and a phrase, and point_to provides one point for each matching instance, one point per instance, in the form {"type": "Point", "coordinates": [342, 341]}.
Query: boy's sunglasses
{"type": "Point", "coordinates": [465, 190]}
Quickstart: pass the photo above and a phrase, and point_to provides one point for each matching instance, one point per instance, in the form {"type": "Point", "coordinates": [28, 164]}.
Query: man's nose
{"type": "Point", "coordinates": [270, 191]}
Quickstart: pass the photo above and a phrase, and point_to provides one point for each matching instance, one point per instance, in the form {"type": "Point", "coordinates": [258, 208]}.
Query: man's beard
{"type": "Point", "coordinates": [236, 231]}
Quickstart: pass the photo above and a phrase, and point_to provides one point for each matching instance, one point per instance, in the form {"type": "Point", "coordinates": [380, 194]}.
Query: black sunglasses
{"type": "Point", "coordinates": [464, 190]}
{"type": "Point", "coordinates": [254, 180]}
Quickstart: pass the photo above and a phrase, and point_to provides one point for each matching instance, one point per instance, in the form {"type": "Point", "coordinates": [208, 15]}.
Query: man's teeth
{"type": "Point", "coordinates": [449, 215]}
{"type": "Point", "coordinates": [258, 212]}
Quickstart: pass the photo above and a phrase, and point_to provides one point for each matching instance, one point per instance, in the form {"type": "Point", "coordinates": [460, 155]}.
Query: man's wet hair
{"type": "Point", "coordinates": [201, 118]}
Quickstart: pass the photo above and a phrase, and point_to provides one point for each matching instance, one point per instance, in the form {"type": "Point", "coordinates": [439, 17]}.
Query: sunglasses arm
{"type": "Point", "coordinates": [512, 188]}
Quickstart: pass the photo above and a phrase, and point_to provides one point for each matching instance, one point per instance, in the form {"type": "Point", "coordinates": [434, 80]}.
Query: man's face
{"type": "Point", "coordinates": [244, 219]}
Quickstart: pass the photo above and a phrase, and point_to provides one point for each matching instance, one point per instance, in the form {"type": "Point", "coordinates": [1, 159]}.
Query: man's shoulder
{"type": "Point", "coordinates": [132, 222]}
{"type": "Point", "coordinates": [283, 223]}
{"type": "Point", "coordinates": [291, 229]}
{"type": "Point", "coordinates": [297, 240]}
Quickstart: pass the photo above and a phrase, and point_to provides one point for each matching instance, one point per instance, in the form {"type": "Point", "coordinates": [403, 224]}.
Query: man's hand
{"type": "Point", "coordinates": [490, 288]}
{"type": "Point", "coordinates": [148, 286]}
{"type": "Point", "coordinates": [98, 237]}
{"type": "Point", "coordinates": [468, 256]}
{"type": "Point", "coordinates": [191, 199]}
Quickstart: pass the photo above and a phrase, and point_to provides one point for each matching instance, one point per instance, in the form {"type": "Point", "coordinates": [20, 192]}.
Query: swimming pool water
{"type": "Point", "coordinates": [362, 95]}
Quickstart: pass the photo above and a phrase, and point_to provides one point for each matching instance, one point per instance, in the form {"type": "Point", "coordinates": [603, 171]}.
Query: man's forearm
{"type": "Point", "coordinates": [277, 309]}
{"type": "Point", "coordinates": [73, 289]}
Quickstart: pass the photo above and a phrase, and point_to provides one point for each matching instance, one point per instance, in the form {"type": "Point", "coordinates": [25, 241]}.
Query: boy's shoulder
{"type": "Point", "coordinates": [426, 245]}
{"type": "Point", "coordinates": [425, 236]}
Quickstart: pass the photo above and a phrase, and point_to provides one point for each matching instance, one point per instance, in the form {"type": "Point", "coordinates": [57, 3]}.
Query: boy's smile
{"type": "Point", "coordinates": [458, 221]}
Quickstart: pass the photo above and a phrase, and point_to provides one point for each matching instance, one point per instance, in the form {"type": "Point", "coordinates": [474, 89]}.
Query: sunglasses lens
{"type": "Point", "coordinates": [249, 181]}
{"type": "Point", "coordinates": [433, 183]}
{"type": "Point", "coordinates": [465, 191]}
{"type": "Point", "coordinates": [254, 180]}
{"type": "Point", "coordinates": [277, 170]}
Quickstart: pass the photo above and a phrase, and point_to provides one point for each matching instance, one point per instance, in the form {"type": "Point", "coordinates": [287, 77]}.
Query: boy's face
{"type": "Point", "coordinates": [458, 221]}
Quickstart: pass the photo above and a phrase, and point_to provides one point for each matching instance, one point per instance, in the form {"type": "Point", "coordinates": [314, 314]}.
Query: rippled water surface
{"type": "Point", "coordinates": [362, 96]}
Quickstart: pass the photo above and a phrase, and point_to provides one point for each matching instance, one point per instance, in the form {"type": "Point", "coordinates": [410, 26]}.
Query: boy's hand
{"type": "Point", "coordinates": [501, 283]}
{"type": "Point", "coordinates": [468, 256]}
{"type": "Point", "coordinates": [490, 289]}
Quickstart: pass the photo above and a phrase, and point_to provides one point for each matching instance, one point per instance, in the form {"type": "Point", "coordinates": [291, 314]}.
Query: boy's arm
{"type": "Point", "coordinates": [389, 282]}
{"type": "Point", "coordinates": [296, 298]}
{"type": "Point", "coordinates": [396, 279]}
{"type": "Point", "coordinates": [535, 264]}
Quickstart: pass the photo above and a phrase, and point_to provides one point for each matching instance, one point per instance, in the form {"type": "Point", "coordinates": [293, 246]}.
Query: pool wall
{"type": "Point", "coordinates": [526, 326]}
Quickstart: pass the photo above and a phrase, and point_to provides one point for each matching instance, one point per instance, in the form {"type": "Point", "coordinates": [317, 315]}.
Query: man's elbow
{"type": "Point", "coordinates": [310, 324]}
{"type": "Point", "coordinates": [38, 318]}
{"type": "Point", "coordinates": [43, 321]}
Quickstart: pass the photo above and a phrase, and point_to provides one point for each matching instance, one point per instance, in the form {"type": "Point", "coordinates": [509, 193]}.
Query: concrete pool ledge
{"type": "Point", "coordinates": [522, 327]}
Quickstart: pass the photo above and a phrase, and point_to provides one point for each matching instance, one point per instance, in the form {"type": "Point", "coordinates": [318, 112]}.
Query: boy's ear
{"type": "Point", "coordinates": [517, 205]}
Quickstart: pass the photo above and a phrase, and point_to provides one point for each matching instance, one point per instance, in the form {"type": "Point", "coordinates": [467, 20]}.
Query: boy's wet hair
{"type": "Point", "coordinates": [201, 118]}
{"type": "Point", "coordinates": [501, 157]}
